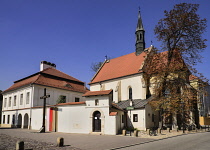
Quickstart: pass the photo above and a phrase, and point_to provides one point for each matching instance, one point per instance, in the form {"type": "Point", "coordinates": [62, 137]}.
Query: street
{"type": "Point", "coordinates": [198, 141]}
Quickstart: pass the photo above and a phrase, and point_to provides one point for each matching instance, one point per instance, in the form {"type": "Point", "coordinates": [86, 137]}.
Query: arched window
{"type": "Point", "coordinates": [130, 93]}
{"type": "Point", "coordinates": [137, 37]}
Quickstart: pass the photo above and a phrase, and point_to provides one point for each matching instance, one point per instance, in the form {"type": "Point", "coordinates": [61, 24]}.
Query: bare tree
{"type": "Point", "coordinates": [95, 66]}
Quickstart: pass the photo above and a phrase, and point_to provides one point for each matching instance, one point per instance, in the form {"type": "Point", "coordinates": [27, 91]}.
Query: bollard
{"type": "Point", "coordinates": [177, 129]}
{"type": "Point", "coordinates": [124, 132]}
{"type": "Point", "coordinates": [136, 133]}
{"type": "Point", "coordinates": [60, 142]}
{"type": "Point", "coordinates": [148, 131]}
{"type": "Point", "coordinates": [196, 129]}
{"type": "Point", "coordinates": [19, 145]}
{"type": "Point", "coordinates": [169, 130]}
{"type": "Point", "coordinates": [159, 131]}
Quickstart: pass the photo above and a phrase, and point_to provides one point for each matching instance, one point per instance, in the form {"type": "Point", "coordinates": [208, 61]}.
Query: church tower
{"type": "Point", "coordinates": [140, 42]}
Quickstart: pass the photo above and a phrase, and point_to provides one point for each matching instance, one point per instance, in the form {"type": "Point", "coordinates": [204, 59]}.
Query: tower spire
{"type": "Point", "coordinates": [140, 42]}
{"type": "Point", "coordinates": [139, 24]}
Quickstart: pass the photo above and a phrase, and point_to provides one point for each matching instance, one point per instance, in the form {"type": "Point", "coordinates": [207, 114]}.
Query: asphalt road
{"type": "Point", "coordinates": [198, 141]}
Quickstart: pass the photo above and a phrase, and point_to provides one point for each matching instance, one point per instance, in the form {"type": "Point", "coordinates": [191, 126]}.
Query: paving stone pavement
{"type": "Point", "coordinates": [35, 140]}
{"type": "Point", "coordinates": [79, 141]}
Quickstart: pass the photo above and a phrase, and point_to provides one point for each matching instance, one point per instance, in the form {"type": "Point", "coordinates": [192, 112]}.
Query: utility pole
{"type": "Point", "coordinates": [42, 130]}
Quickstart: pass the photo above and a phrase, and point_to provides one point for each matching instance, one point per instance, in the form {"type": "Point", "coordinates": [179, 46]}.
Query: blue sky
{"type": "Point", "coordinates": [73, 34]}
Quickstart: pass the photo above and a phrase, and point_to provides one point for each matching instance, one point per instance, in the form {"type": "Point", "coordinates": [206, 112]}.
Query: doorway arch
{"type": "Point", "coordinates": [19, 124]}
{"type": "Point", "coordinates": [96, 121]}
{"type": "Point", "coordinates": [26, 118]}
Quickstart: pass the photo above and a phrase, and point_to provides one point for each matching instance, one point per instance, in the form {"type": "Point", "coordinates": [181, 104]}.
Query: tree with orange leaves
{"type": "Point", "coordinates": [168, 72]}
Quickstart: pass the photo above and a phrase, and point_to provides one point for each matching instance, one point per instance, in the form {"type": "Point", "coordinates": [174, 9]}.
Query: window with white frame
{"type": "Point", "coordinates": [5, 102]}
{"type": "Point", "coordinates": [10, 101]}
{"type": "Point", "coordinates": [27, 97]}
{"type": "Point", "coordinates": [135, 117]}
{"type": "Point", "coordinates": [15, 100]}
{"type": "Point", "coordinates": [96, 102]}
{"type": "Point", "coordinates": [21, 99]}
{"type": "Point", "coordinates": [76, 99]}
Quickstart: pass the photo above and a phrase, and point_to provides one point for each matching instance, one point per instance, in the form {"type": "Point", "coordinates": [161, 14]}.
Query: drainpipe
{"type": "Point", "coordinates": [32, 95]}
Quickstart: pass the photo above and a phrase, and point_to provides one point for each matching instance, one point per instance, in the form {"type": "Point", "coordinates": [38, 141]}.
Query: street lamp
{"type": "Point", "coordinates": [183, 124]}
{"type": "Point", "coordinates": [130, 108]}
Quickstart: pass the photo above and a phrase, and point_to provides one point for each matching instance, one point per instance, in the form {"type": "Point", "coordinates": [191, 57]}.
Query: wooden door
{"type": "Point", "coordinates": [96, 121]}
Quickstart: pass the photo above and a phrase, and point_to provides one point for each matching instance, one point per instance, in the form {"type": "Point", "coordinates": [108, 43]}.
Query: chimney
{"type": "Point", "coordinates": [45, 64]}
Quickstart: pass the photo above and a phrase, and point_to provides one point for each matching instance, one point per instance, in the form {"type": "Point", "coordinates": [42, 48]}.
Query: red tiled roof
{"type": "Point", "coordinates": [71, 103]}
{"type": "Point", "coordinates": [158, 62]}
{"type": "Point", "coordinates": [118, 67]}
{"type": "Point", "coordinates": [192, 77]}
{"type": "Point", "coordinates": [131, 64]}
{"type": "Point", "coordinates": [97, 93]}
{"type": "Point", "coordinates": [57, 73]}
{"type": "Point", "coordinates": [113, 114]}
{"type": "Point", "coordinates": [52, 78]}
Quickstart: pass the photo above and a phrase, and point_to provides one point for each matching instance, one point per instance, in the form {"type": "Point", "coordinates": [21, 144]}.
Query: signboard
{"type": "Point", "coordinates": [130, 108]}
{"type": "Point", "coordinates": [46, 96]}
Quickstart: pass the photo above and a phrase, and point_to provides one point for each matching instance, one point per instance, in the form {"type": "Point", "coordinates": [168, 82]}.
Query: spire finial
{"type": "Point", "coordinates": [139, 12]}
{"type": "Point", "coordinates": [106, 57]}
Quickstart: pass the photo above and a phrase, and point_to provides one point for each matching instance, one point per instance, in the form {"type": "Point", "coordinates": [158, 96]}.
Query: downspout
{"type": "Point", "coordinates": [32, 95]}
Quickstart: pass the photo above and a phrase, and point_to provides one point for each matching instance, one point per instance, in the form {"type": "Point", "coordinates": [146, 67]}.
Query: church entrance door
{"type": "Point", "coordinates": [96, 121]}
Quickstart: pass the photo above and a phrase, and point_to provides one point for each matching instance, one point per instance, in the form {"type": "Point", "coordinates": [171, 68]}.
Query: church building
{"type": "Point", "coordinates": [118, 98]}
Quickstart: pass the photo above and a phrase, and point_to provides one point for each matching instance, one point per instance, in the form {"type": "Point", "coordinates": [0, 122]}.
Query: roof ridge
{"type": "Point", "coordinates": [62, 73]}
{"type": "Point", "coordinates": [37, 78]}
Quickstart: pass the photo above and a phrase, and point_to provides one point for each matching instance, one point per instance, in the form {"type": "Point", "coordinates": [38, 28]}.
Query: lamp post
{"type": "Point", "coordinates": [130, 108]}
{"type": "Point", "coordinates": [183, 119]}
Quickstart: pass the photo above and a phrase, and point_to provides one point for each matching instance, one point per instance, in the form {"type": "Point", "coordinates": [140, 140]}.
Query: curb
{"type": "Point", "coordinates": [150, 141]}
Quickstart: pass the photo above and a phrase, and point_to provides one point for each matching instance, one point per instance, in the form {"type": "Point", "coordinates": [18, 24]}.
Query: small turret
{"type": "Point", "coordinates": [140, 42]}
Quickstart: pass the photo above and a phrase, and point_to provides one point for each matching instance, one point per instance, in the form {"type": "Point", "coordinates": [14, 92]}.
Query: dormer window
{"type": "Point", "coordinates": [68, 85]}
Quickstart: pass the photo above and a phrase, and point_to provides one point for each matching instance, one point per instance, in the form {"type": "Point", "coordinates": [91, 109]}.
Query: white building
{"type": "Point", "coordinates": [22, 106]}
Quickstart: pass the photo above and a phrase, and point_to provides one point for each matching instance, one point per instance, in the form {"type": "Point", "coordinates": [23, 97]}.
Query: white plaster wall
{"type": "Point", "coordinates": [103, 101]}
{"type": "Point", "coordinates": [73, 119]}
{"type": "Point", "coordinates": [134, 81]}
{"type": "Point", "coordinates": [16, 113]}
{"type": "Point", "coordinates": [78, 119]}
{"type": "Point", "coordinates": [109, 124]}
{"type": "Point", "coordinates": [141, 118]}
{"type": "Point", "coordinates": [36, 118]}
{"type": "Point", "coordinates": [17, 92]}
{"type": "Point", "coordinates": [54, 95]}
{"type": "Point", "coordinates": [149, 123]}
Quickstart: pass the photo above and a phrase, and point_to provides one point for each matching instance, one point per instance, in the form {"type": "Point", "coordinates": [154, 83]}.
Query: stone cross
{"type": "Point", "coordinates": [44, 109]}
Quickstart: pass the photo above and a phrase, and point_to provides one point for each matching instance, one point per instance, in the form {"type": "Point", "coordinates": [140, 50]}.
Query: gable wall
{"type": "Point", "coordinates": [134, 81]}
{"type": "Point", "coordinates": [54, 94]}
